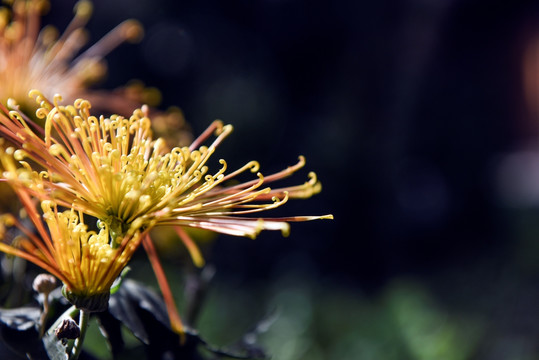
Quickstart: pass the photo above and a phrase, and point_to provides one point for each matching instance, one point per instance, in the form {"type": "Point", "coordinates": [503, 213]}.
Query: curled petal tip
{"type": "Point", "coordinates": [57, 99]}
{"type": "Point", "coordinates": [285, 231]}
{"type": "Point", "coordinates": [34, 93]}
{"type": "Point", "coordinates": [217, 125]}
{"type": "Point", "coordinates": [132, 30]}
{"type": "Point", "coordinates": [12, 103]}
{"type": "Point", "coordinates": [83, 9]}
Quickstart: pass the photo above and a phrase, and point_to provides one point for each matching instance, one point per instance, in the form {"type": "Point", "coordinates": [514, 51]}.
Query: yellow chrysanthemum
{"type": "Point", "coordinates": [112, 169]}
{"type": "Point", "coordinates": [31, 57]}
{"type": "Point", "coordinates": [83, 260]}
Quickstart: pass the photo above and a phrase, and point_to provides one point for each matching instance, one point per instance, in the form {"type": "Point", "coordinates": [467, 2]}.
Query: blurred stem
{"type": "Point", "coordinates": [44, 314]}
{"type": "Point", "coordinates": [195, 292]}
{"type": "Point", "coordinates": [83, 325]}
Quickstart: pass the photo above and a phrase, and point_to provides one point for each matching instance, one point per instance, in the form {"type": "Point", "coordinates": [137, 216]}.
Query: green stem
{"type": "Point", "coordinates": [83, 325]}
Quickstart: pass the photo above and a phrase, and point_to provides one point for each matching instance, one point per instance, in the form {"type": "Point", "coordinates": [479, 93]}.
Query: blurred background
{"type": "Point", "coordinates": [420, 119]}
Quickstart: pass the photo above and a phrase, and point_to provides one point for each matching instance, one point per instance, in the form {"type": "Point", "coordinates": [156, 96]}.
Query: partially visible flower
{"type": "Point", "coordinates": [112, 169]}
{"type": "Point", "coordinates": [83, 260]}
{"type": "Point", "coordinates": [31, 57]}
{"type": "Point", "coordinates": [35, 57]}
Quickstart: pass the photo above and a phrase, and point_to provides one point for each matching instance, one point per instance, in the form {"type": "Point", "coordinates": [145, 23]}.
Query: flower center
{"type": "Point", "coordinates": [118, 228]}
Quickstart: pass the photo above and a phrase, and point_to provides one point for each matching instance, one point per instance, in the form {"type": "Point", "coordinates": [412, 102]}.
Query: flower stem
{"type": "Point", "coordinates": [44, 314]}
{"type": "Point", "coordinates": [83, 325]}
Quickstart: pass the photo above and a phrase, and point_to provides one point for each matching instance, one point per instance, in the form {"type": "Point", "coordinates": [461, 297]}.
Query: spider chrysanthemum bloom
{"type": "Point", "coordinates": [83, 260]}
{"type": "Point", "coordinates": [31, 57]}
{"type": "Point", "coordinates": [112, 169]}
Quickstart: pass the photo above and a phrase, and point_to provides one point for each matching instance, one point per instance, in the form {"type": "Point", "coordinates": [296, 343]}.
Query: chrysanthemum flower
{"type": "Point", "coordinates": [112, 169]}
{"type": "Point", "coordinates": [83, 260]}
{"type": "Point", "coordinates": [31, 57]}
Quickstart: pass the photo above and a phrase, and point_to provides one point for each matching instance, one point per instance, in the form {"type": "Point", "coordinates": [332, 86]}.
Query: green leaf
{"type": "Point", "coordinates": [143, 312]}
{"type": "Point", "coordinates": [18, 331]}
{"type": "Point", "coordinates": [56, 349]}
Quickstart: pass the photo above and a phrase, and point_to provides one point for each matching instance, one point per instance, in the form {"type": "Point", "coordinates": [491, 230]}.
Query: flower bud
{"type": "Point", "coordinates": [44, 283]}
{"type": "Point", "coordinates": [68, 329]}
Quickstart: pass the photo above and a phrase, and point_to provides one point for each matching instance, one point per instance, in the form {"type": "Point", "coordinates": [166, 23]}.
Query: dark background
{"type": "Point", "coordinates": [406, 110]}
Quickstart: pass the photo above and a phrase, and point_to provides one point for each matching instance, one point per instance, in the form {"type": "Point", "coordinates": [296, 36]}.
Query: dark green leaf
{"type": "Point", "coordinates": [111, 328]}
{"type": "Point", "coordinates": [124, 305]}
{"type": "Point", "coordinates": [18, 332]}
{"type": "Point", "coordinates": [56, 349]}
{"type": "Point", "coordinates": [143, 312]}
{"type": "Point", "coordinates": [21, 319]}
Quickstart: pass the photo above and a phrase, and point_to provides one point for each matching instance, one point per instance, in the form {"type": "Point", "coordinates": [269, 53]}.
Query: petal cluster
{"type": "Point", "coordinates": [82, 259]}
{"type": "Point", "coordinates": [31, 56]}
{"type": "Point", "coordinates": [111, 168]}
